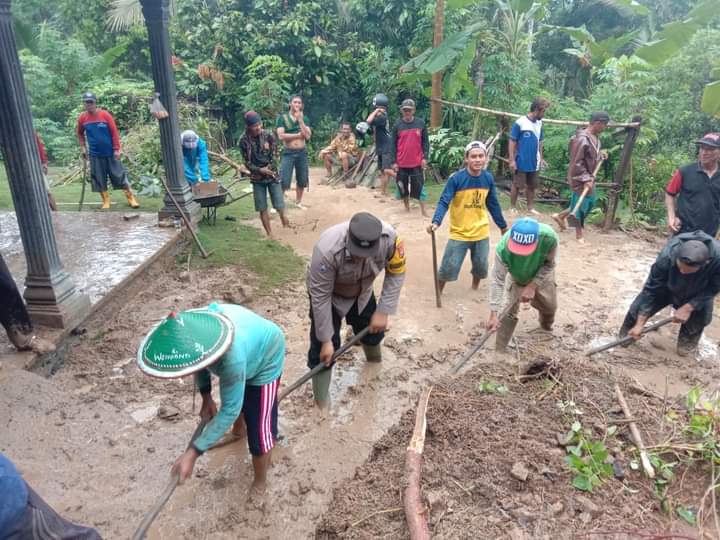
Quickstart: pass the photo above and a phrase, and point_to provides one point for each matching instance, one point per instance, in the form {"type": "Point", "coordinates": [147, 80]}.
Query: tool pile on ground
{"type": "Point", "coordinates": [363, 173]}
{"type": "Point", "coordinates": [495, 463]}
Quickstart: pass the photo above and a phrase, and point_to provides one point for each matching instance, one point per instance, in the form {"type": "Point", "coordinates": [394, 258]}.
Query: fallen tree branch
{"type": "Point", "coordinates": [415, 511]}
{"type": "Point", "coordinates": [647, 466]}
{"type": "Point", "coordinates": [240, 168]}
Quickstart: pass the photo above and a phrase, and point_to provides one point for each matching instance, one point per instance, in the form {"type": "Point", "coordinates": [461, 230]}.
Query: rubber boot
{"type": "Point", "coordinates": [132, 201]}
{"type": "Point", "coordinates": [687, 346]}
{"type": "Point", "coordinates": [546, 322]}
{"type": "Point", "coordinates": [105, 199]}
{"type": "Point", "coordinates": [505, 332]}
{"type": "Point", "coordinates": [321, 388]}
{"type": "Point", "coordinates": [373, 353]}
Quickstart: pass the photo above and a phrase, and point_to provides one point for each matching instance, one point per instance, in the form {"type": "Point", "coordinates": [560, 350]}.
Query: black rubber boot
{"type": "Point", "coordinates": [505, 332]}
{"type": "Point", "coordinates": [373, 353]}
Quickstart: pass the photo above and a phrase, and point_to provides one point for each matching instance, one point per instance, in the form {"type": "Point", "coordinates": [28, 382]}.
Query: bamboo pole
{"type": "Point", "coordinates": [584, 123]}
{"type": "Point", "coordinates": [647, 466]}
{"type": "Point", "coordinates": [240, 168]}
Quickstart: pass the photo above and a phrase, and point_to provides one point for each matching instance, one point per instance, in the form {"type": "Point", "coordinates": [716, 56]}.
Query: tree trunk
{"type": "Point", "coordinates": [435, 107]}
{"type": "Point", "coordinates": [415, 511]}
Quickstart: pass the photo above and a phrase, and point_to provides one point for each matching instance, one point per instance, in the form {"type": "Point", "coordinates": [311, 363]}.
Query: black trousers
{"type": "Point", "coordinates": [41, 522]}
{"type": "Point", "coordinates": [13, 313]}
{"type": "Point", "coordinates": [358, 321]}
{"type": "Point", "coordinates": [690, 332]}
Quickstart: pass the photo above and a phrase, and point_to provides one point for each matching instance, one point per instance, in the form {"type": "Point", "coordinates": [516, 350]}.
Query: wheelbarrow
{"type": "Point", "coordinates": [213, 195]}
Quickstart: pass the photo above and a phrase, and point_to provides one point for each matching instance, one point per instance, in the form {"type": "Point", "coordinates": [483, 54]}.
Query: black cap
{"type": "Point", "coordinates": [364, 235]}
{"type": "Point", "coordinates": [252, 118]}
{"type": "Point", "coordinates": [710, 139]}
{"type": "Point", "coordinates": [693, 253]}
{"type": "Point", "coordinates": [89, 96]}
{"type": "Point", "coordinates": [600, 116]}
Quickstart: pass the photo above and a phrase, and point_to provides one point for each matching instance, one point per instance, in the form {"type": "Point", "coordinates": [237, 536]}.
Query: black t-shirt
{"type": "Point", "coordinates": [698, 198]}
{"type": "Point", "coordinates": [381, 125]}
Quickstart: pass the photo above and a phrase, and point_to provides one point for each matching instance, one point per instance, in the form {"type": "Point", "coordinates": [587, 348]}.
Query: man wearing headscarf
{"type": "Point", "coordinates": [259, 148]}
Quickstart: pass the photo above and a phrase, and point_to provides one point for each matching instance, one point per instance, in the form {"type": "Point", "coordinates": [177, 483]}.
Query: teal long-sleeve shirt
{"type": "Point", "coordinates": [194, 159]}
{"type": "Point", "coordinates": [256, 357]}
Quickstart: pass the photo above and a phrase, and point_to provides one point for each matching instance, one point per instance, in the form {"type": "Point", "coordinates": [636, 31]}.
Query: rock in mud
{"type": "Point", "coordinates": [520, 471]}
{"type": "Point", "coordinates": [585, 505]}
{"type": "Point", "coordinates": [168, 412]}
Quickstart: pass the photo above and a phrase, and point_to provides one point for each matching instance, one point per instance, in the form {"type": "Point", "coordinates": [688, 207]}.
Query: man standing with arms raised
{"type": "Point", "coordinates": [525, 153]}
{"type": "Point", "coordinates": [294, 132]}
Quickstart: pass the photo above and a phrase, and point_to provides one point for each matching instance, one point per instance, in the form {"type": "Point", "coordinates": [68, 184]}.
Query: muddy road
{"type": "Point", "coordinates": [97, 438]}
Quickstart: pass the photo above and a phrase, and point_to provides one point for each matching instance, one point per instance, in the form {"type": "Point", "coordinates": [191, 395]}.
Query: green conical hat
{"type": "Point", "coordinates": [184, 343]}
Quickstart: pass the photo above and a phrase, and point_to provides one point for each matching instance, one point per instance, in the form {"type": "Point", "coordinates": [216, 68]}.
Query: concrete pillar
{"type": "Point", "coordinates": [50, 292]}
{"type": "Point", "coordinates": [157, 14]}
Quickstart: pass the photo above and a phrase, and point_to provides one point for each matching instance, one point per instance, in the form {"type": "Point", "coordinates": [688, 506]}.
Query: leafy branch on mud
{"type": "Point", "coordinates": [693, 442]}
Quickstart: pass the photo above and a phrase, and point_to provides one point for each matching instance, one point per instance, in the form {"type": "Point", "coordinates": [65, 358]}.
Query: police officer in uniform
{"type": "Point", "coordinates": [345, 262]}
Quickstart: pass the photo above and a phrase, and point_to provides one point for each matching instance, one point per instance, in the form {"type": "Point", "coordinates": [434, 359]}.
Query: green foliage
{"type": "Point", "coordinates": [490, 387]}
{"type": "Point", "coordinates": [587, 459]}
{"type": "Point", "coordinates": [447, 150]}
{"type": "Point", "coordinates": [267, 85]}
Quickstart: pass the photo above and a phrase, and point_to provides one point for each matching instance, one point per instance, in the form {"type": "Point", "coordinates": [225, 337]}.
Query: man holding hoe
{"type": "Point", "coordinates": [686, 275]}
{"type": "Point", "coordinates": [345, 262]}
{"type": "Point", "coordinates": [524, 268]}
{"type": "Point", "coordinates": [247, 353]}
{"type": "Point", "coordinates": [469, 194]}
{"type": "Point", "coordinates": [585, 160]}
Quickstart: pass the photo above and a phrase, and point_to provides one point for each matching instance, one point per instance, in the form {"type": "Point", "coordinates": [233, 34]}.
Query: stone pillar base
{"type": "Point", "coordinates": [54, 301]}
{"type": "Point", "coordinates": [188, 205]}
{"type": "Point", "coordinates": [68, 313]}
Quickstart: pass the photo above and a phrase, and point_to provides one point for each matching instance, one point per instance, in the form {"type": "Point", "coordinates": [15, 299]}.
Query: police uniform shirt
{"type": "Point", "coordinates": [335, 280]}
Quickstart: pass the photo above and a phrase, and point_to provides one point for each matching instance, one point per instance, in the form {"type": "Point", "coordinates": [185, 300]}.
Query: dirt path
{"type": "Point", "coordinates": [90, 439]}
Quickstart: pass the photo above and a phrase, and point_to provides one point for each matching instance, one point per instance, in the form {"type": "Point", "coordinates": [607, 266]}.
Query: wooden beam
{"type": "Point", "coordinates": [631, 135]}
{"type": "Point", "coordinates": [580, 123]}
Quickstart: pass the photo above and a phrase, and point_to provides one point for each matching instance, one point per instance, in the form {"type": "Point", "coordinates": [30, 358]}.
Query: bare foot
{"type": "Point", "coordinates": [535, 212]}
{"type": "Point", "coordinates": [561, 221]}
{"type": "Point", "coordinates": [582, 242]}
{"type": "Point", "coordinates": [256, 497]}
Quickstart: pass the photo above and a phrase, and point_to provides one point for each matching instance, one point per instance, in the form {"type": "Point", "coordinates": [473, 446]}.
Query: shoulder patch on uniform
{"type": "Point", "coordinates": [323, 267]}
{"type": "Point", "coordinates": [396, 264]}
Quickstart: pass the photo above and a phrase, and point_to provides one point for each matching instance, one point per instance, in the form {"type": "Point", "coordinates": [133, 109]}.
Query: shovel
{"type": "Point", "coordinates": [573, 215]}
{"type": "Point", "coordinates": [438, 301]}
{"type": "Point", "coordinates": [84, 181]}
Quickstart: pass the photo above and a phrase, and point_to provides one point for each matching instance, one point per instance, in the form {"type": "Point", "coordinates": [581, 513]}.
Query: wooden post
{"type": "Point", "coordinates": [631, 135]}
{"type": "Point", "coordinates": [436, 91]}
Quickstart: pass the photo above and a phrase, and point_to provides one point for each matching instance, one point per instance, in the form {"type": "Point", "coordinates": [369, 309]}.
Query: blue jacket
{"type": "Point", "coordinates": [194, 157]}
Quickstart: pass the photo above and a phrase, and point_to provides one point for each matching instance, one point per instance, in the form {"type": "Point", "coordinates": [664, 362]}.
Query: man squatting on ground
{"type": "Point", "coordinates": [379, 121]}
{"type": "Point", "coordinates": [527, 253]}
{"type": "Point", "coordinates": [686, 275]}
{"type": "Point", "coordinates": [410, 148]}
{"type": "Point", "coordinates": [25, 516]}
{"type": "Point", "coordinates": [345, 262]}
{"type": "Point", "coordinates": [247, 353]}
{"type": "Point", "coordinates": [294, 132]}
{"type": "Point", "coordinates": [343, 148]}
{"type": "Point", "coordinates": [103, 147]}
{"type": "Point", "coordinates": [259, 148]}
{"type": "Point", "coordinates": [692, 196]}
{"type": "Point", "coordinates": [14, 316]}
{"type": "Point", "coordinates": [525, 153]}
{"type": "Point", "coordinates": [585, 154]}
{"type": "Point", "coordinates": [195, 156]}
{"type": "Point", "coordinates": [469, 194]}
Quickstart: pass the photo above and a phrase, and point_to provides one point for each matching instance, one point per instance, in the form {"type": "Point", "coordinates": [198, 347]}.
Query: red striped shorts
{"type": "Point", "coordinates": [260, 409]}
